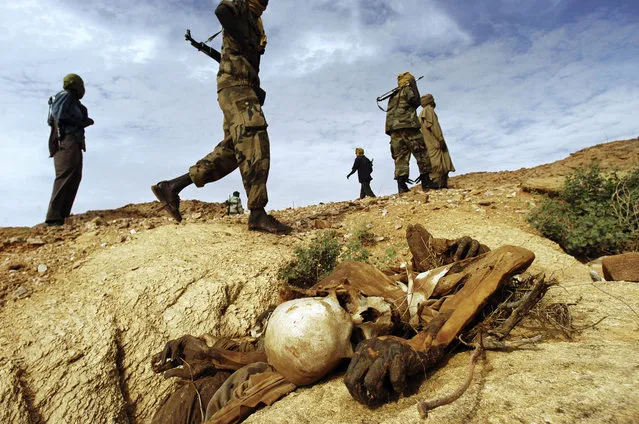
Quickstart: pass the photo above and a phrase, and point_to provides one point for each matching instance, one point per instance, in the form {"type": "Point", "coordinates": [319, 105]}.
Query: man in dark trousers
{"type": "Point", "coordinates": [246, 143]}
{"type": "Point", "coordinates": [364, 168]}
{"type": "Point", "coordinates": [68, 118]}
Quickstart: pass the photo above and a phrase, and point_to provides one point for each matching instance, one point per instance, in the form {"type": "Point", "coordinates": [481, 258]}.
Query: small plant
{"type": "Point", "coordinates": [312, 262]}
{"type": "Point", "coordinates": [356, 246]}
{"type": "Point", "coordinates": [593, 215]}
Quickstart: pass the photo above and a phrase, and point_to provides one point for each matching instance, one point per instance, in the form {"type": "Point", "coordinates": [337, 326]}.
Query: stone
{"type": "Point", "coordinates": [623, 267]}
{"type": "Point", "coordinates": [42, 268]}
{"type": "Point", "coordinates": [20, 292]}
{"type": "Point", "coordinates": [35, 241]}
{"type": "Point", "coordinates": [321, 224]}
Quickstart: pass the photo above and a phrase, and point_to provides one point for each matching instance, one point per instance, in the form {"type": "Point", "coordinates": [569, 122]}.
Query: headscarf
{"type": "Point", "coordinates": [427, 99]}
{"type": "Point", "coordinates": [73, 82]}
{"type": "Point", "coordinates": [359, 151]}
{"type": "Point", "coordinates": [404, 79]}
{"type": "Point", "coordinates": [258, 7]}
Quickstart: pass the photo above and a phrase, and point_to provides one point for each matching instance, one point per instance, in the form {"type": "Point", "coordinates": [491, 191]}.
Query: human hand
{"type": "Point", "coordinates": [348, 176]}
{"type": "Point", "coordinates": [466, 247]}
{"type": "Point", "coordinates": [89, 122]}
{"type": "Point", "coordinates": [379, 369]}
{"type": "Point", "coordinates": [187, 350]}
{"type": "Point", "coordinates": [442, 145]}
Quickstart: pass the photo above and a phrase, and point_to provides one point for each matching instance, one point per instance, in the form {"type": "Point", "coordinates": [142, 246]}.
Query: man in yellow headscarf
{"type": "Point", "coordinates": [246, 143]}
{"type": "Point", "coordinates": [403, 128]}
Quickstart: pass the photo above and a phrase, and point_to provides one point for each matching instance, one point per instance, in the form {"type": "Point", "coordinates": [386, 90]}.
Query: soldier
{"type": "Point", "coordinates": [234, 204]}
{"type": "Point", "coordinates": [434, 139]}
{"type": "Point", "coordinates": [364, 168]}
{"type": "Point", "coordinates": [68, 118]}
{"type": "Point", "coordinates": [403, 128]}
{"type": "Point", "coordinates": [245, 144]}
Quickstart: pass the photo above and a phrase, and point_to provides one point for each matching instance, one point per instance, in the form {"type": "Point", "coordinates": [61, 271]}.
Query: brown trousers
{"type": "Point", "coordinates": [245, 145]}
{"type": "Point", "coordinates": [68, 174]}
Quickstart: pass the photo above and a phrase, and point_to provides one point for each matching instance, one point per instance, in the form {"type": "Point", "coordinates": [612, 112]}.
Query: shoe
{"type": "Point", "coordinates": [402, 187]}
{"type": "Point", "coordinates": [259, 220]}
{"type": "Point", "coordinates": [55, 223]}
{"type": "Point", "coordinates": [168, 198]}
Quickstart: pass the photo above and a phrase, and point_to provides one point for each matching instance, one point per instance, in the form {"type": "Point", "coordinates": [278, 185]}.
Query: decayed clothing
{"type": "Point", "coordinates": [246, 143]}
{"type": "Point", "coordinates": [402, 144]}
{"type": "Point", "coordinates": [434, 139]}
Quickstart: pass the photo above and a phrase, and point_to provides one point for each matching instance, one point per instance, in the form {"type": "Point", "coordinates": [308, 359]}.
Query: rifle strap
{"type": "Point", "coordinates": [212, 37]}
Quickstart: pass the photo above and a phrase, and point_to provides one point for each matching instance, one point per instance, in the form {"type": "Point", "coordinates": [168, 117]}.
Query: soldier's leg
{"type": "Point", "coordinates": [362, 191]}
{"type": "Point", "coordinates": [247, 126]}
{"type": "Point", "coordinates": [367, 190]}
{"type": "Point", "coordinates": [400, 153]}
{"type": "Point", "coordinates": [217, 164]}
{"type": "Point", "coordinates": [417, 146]}
{"type": "Point", "coordinates": [68, 174]}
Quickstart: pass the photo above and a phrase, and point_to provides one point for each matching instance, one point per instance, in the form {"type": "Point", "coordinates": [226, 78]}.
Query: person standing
{"type": "Point", "coordinates": [364, 168]}
{"type": "Point", "coordinates": [435, 143]}
{"type": "Point", "coordinates": [403, 128]}
{"type": "Point", "coordinates": [68, 118]}
{"type": "Point", "coordinates": [234, 204]}
{"type": "Point", "coordinates": [246, 143]}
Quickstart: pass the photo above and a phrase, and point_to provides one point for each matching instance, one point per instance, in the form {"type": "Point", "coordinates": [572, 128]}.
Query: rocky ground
{"type": "Point", "coordinates": [84, 306]}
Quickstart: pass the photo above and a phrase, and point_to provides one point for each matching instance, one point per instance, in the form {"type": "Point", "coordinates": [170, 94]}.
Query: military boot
{"type": "Point", "coordinates": [402, 187]}
{"type": "Point", "coordinates": [427, 183]}
{"type": "Point", "coordinates": [259, 220]}
{"type": "Point", "coordinates": [169, 198]}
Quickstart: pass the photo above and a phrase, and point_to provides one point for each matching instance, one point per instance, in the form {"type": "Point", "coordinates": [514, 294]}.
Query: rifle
{"type": "Point", "coordinates": [207, 50]}
{"type": "Point", "coordinates": [389, 94]}
{"type": "Point", "coordinates": [217, 56]}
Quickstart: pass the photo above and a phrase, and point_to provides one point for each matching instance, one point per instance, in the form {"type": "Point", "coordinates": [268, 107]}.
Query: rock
{"type": "Point", "coordinates": [321, 224]}
{"type": "Point", "coordinates": [20, 292]}
{"type": "Point", "coordinates": [35, 241]}
{"type": "Point", "coordinates": [132, 231]}
{"type": "Point", "coordinates": [398, 226]}
{"type": "Point", "coordinates": [14, 240]}
{"type": "Point", "coordinates": [485, 202]}
{"type": "Point", "coordinates": [550, 186]}
{"type": "Point", "coordinates": [42, 268]}
{"type": "Point", "coordinates": [621, 267]}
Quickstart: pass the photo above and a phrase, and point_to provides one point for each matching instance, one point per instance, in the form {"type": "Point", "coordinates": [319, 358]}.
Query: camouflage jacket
{"type": "Point", "coordinates": [402, 107]}
{"type": "Point", "coordinates": [241, 52]}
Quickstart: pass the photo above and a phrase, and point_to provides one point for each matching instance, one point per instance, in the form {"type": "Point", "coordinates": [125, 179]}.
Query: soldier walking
{"type": "Point", "coordinates": [246, 143]}
{"type": "Point", "coordinates": [364, 168]}
{"type": "Point", "coordinates": [403, 127]}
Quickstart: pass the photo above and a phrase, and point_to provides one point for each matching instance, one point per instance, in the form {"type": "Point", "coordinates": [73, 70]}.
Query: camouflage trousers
{"type": "Point", "coordinates": [404, 142]}
{"type": "Point", "coordinates": [245, 145]}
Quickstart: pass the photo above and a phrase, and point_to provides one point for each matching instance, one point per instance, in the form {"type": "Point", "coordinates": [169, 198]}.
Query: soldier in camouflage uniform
{"type": "Point", "coordinates": [403, 127]}
{"type": "Point", "coordinates": [245, 144]}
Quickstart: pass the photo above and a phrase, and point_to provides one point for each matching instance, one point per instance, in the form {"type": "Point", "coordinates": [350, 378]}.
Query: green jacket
{"type": "Point", "coordinates": [402, 109]}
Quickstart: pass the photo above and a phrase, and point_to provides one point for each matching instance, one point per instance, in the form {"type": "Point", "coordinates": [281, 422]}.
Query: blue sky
{"type": "Point", "coordinates": [518, 83]}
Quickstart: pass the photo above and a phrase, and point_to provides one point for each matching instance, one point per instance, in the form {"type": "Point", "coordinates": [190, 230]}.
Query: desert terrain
{"type": "Point", "coordinates": [84, 306]}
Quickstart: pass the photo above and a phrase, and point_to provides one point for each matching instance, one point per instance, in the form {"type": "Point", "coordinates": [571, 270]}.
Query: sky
{"type": "Point", "coordinates": [518, 83]}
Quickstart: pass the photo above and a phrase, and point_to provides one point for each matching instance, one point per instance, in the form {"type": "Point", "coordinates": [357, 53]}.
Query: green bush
{"type": "Point", "coordinates": [593, 215]}
{"type": "Point", "coordinates": [312, 262]}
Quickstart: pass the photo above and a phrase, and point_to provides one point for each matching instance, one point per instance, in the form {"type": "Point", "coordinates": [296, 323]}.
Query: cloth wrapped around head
{"type": "Point", "coordinates": [359, 151]}
{"type": "Point", "coordinates": [427, 99]}
{"type": "Point", "coordinates": [404, 79]}
{"type": "Point", "coordinates": [73, 82]}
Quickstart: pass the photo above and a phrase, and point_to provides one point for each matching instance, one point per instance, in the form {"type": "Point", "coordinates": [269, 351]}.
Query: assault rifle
{"type": "Point", "coordinates": [207, 50]}
{"type": "Point", "coordinates": [389, 94]}
{"type": "Point", "coordinates": [217, 56]}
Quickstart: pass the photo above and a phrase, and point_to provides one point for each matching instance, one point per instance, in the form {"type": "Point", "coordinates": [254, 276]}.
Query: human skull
{"type": "Point", "coordinates": [306, 338]}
